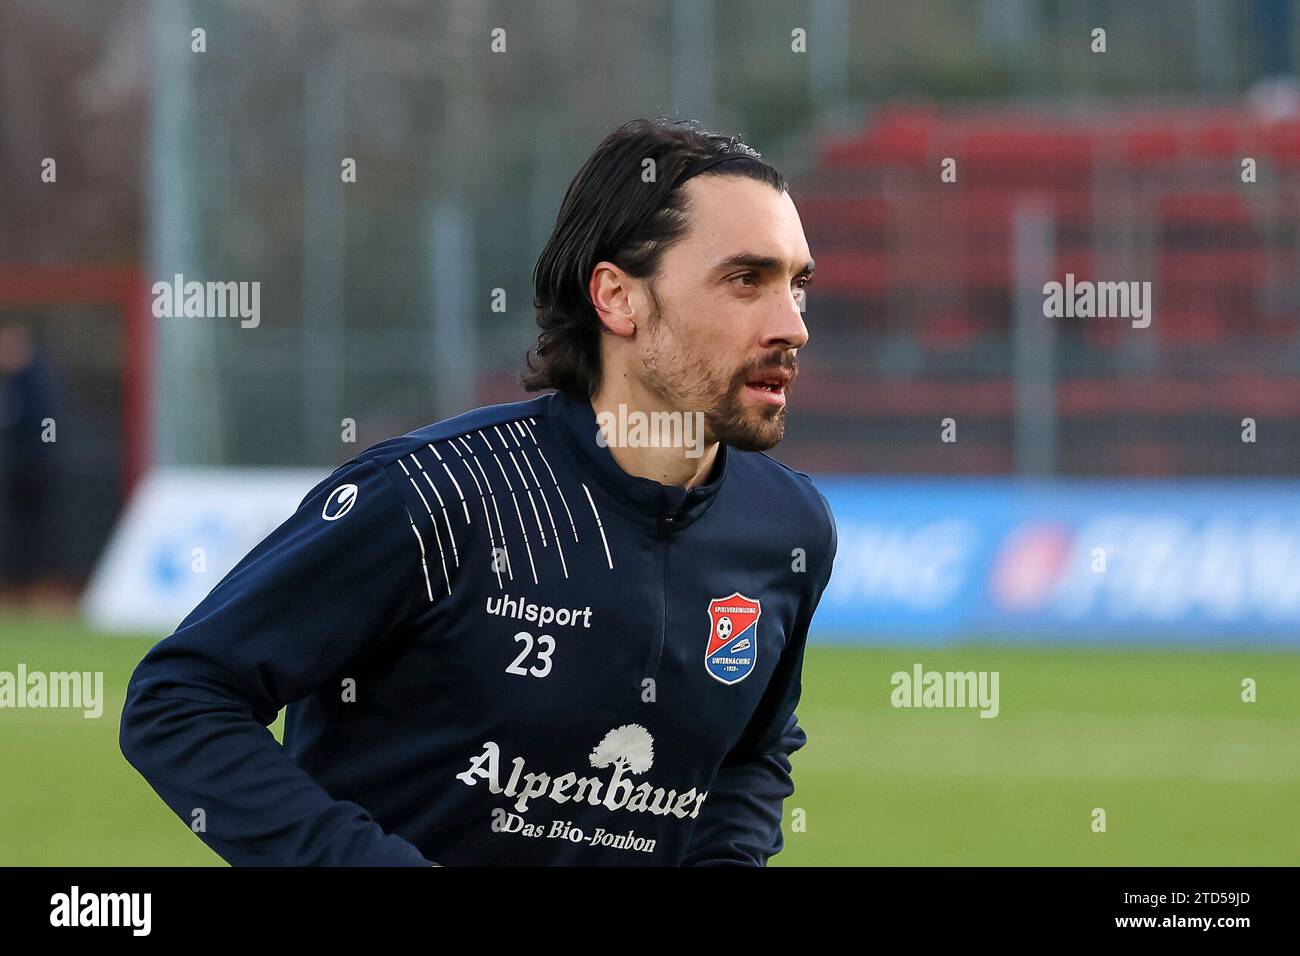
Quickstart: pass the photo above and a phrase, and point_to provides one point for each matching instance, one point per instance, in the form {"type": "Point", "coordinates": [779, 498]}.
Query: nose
{"type": "Point", "coordinates": [786, 325]}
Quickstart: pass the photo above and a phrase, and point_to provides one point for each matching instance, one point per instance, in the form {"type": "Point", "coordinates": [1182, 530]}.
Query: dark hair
{"type": "Point", "coordinates": [610, 213]}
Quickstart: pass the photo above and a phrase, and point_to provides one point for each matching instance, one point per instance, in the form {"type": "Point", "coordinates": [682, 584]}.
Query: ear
{"type": "Point", "coordinates": [608, 291]}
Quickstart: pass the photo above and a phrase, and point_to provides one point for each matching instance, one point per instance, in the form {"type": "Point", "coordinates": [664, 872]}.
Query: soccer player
{"type": "Point", "coordinates": [567, 630]}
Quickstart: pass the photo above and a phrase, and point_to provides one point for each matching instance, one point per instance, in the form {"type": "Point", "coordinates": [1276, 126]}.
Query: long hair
{"type": "Point", "coordinates": [625, 205]}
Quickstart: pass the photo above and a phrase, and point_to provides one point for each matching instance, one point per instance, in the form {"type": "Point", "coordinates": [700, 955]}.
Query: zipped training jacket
{"type": "Point", "coordinates": [497, 647]}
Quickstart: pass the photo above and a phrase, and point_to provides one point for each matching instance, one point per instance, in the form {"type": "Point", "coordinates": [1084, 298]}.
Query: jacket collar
{"type": "Point", "coordinates": [663, 507]}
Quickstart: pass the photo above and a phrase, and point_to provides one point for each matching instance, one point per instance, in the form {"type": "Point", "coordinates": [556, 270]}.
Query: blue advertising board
{"type": "Point", "coordinates": [936, 560]}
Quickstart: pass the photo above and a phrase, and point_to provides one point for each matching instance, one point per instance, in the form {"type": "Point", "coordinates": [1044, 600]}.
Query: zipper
{"type": "Point", "coordinates": [667, 524]}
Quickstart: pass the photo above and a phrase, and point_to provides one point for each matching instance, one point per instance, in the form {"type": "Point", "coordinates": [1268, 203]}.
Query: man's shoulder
{"type": "Point", "coordinates": [784, 490]}
{"type": "Point", "coordinates": [793, 509]}
{"type": "Point", "coordinates": [486, 417]}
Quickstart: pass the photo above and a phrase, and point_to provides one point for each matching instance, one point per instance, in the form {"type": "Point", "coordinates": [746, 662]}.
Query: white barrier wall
{"type": "Point", "coordinates": [183, 531]}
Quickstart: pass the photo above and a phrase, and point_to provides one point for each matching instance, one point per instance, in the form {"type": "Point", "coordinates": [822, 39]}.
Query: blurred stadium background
{"type": "Point", "coordinates": [381, 303]}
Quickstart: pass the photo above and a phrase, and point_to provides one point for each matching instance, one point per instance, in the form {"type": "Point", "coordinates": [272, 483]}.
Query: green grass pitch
{"type": "Point", "coordinates": [1186, 772]}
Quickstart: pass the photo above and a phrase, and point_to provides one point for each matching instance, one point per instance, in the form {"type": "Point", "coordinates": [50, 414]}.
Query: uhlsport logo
{"type": "Point", "coordinates": [339, 502]}
{"type": "Point", "coordinates": [732, 650]}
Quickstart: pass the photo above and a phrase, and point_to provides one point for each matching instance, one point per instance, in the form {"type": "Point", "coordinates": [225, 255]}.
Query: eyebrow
{"type": "Point", "coordinates": [758, 263]}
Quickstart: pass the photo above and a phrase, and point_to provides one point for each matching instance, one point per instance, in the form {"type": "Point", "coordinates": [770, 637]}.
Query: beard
{"type": "Point", "coordinates": [693, 384]}
{"type": "Point", "coordinates": [742, 426]}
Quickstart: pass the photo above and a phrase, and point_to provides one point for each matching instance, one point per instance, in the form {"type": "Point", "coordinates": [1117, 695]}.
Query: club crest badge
{"type": "Point", "coordinates": [732, 650]}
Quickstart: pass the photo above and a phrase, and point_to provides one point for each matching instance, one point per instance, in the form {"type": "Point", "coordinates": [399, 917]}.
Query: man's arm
{"type": "Point", "coordinates": [740, 821]}
{"type": "Point", "coordinates": [307, 600]}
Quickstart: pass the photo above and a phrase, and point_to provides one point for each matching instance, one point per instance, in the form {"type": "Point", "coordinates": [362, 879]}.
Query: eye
{"type": "Point", "coordinates": [753, 277]}
{"type": "Point", "coordinates": [801, 285]}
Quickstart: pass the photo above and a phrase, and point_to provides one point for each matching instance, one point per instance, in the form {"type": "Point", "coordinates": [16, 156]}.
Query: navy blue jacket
{"type": "Point", "coordinates": [497, 647]}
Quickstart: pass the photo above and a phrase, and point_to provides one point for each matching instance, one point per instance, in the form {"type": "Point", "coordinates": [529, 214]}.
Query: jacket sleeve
{"type": "Point", "coordinates": [740, 822]}
{"type": "Point", "coordinates": [310, 598]}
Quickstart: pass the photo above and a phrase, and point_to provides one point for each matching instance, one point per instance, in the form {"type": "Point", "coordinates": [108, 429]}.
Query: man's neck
{"type": "Point", "coordinates": [666, 465]}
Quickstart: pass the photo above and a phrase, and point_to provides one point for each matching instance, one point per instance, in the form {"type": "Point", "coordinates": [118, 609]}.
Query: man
{"type": "Point", "coordinates": [27, 464]}
{"type": "Point", "coordinates": [519, 636]}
